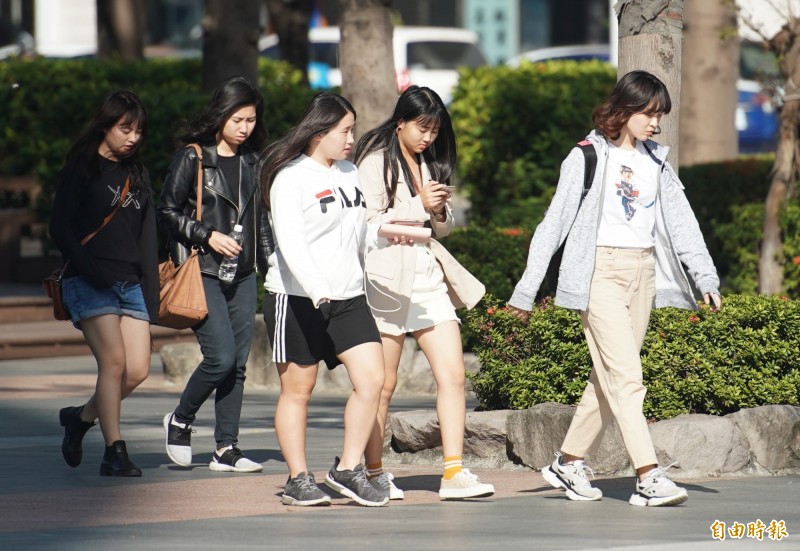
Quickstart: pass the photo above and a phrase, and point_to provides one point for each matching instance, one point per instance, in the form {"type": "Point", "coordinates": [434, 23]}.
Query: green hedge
{"type": "Point", "coordinates": [716, 191]}
{"type": "Point", "coordinates": [740, 240]}
{"type": "Point", "coordinates": [514, 128]}
{"type": "Point", "coordinates": [745, 355]}
{"type": "Point", "coordinates": [496, 256]}
{"type": "Point", "coordinates": [45, 103]}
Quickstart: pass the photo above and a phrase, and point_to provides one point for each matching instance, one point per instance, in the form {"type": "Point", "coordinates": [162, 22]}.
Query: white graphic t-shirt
{"type": "Point", "coordinates": [629, 216]}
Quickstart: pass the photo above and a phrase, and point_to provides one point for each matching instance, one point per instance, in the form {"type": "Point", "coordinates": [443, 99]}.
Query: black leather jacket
{"type": "Point", "coordinates": [176, 212]}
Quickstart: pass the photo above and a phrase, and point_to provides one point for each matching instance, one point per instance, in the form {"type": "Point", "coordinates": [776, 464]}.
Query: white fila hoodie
{"type": "Point", "coordinates": [318, 220]}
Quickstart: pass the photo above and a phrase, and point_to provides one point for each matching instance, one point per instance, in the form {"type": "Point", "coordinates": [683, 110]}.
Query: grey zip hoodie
{"type": "Point", "coordinates": [679, 243]}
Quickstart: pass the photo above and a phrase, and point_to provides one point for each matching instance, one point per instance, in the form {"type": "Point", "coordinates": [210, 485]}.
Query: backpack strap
{"type": "Point", "coordinates": [590, 154]}
{"type": "Point", "coordinates": [549, 283]}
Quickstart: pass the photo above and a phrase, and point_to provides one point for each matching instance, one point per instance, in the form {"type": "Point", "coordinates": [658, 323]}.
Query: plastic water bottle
{"type": "Point", "coordinates": [227, 268]}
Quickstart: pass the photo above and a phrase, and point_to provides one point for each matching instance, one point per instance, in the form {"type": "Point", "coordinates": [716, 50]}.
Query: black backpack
{"type": "Point", "coordinates": [548, 286]}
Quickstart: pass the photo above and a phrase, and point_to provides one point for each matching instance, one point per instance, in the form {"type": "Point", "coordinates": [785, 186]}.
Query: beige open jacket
{"type": "Point", "coordinates": [390, 268]}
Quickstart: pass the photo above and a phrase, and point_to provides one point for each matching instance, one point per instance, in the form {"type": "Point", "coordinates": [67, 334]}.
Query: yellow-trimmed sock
{"type": "Point", "coordinates": [452, 466]}
{"type": "Point", "coordinates": [374, 469]}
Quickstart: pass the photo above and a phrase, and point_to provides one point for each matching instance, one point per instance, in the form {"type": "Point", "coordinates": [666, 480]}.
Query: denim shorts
{"type": "Point", "coordinates": [84, 301]}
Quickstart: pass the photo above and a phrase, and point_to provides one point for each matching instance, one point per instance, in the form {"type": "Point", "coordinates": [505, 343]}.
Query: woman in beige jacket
{"type": "Point", "coordinates": [404, 166]}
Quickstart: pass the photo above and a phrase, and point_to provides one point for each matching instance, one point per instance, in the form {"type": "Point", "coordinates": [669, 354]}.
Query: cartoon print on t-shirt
{"type": "Point", "coordinates": [627, 190]}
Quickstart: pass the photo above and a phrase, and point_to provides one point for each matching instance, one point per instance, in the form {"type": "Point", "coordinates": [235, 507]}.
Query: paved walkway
{"type": "Point", "coordinates": [45, 504]}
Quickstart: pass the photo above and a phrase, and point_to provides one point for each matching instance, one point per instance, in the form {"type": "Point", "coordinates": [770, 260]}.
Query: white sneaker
{"type": "Point", "coordinates": [232, 460]}
{"type": "Point", "coordinates": [463, 485]}
{"type": "Point", "coordinates": [385, 482]}
{"type": "Point", "coordinates": [657, 490]}
{"type": "Point", "coordinates": [572, 478]}
{"type": "Point", "coordinates": [178, 441]}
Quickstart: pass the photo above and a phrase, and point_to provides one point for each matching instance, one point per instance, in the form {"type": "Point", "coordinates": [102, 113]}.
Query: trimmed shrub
{"type": "Point", "coordinates": [44, 103]}
{"type": "Point", "coordinates": [740, 240]}
{"type": "Point", "coordinates": [496, 256]}
{"type": "Point", "coordinates": [714, 190]}
{"type": "Point", "coordinates": [515, 126]}
{"type": "Point", "coordinates": [700, 361]}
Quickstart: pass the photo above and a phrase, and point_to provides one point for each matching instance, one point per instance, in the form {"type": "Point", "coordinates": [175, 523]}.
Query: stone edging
{"type": "Point", "coordinates": [757, 441]}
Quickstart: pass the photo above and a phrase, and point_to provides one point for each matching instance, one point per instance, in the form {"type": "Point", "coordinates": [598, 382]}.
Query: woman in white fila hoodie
{"type": "Point", "coordinates": [315, 308]}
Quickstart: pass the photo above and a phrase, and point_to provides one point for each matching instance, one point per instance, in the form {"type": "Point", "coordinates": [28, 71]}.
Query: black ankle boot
{"type": "Point", "coordinates": [74, 431]}
{"type": "Point", "coordinates": [116, 461]}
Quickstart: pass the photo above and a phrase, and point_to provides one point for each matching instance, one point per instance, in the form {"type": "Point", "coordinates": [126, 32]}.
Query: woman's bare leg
{"type": "Point", "coordinates": [441, 344]}
{"type": "Point", "coordinates": [392, 348]}
{"type": "Point", "coordinates": [364, 364]}
{"type": "Point", "coordinates": [103, 334]}
{"type": "Point", "coordinates": [136, 342]}
{"type": "Point", "coordinates": [291, 414]}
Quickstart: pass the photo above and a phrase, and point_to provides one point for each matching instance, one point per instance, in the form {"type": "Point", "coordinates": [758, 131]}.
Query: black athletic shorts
{"type": "Point", "coordinates": [300, 333]}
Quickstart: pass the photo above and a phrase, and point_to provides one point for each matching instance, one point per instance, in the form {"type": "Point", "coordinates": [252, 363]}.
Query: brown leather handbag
{"type": "Point", "coordinates": [182, 299]}
{"type": "Point", "coordinates": [52, 283]}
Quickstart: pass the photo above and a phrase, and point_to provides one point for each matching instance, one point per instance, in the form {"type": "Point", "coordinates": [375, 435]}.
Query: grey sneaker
{"type": "Point", "coordinates": [354, 484]}
{"type": "Point", "coordinates": [303, 491]}
{"type": "Point", "coordinates": [385, 483]}
{"type": "Point", "coordinates": [657, 490]}
{"type": "Point", "coordinates": [572, 478]}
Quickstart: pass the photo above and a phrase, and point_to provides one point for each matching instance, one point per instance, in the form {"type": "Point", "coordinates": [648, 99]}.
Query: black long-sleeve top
{"type": "Point", "coordinates": [126, 249]}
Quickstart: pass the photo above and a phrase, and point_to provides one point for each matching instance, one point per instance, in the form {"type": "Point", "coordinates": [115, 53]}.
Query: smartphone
{"type": "Point", "coordinates": [449, 189]}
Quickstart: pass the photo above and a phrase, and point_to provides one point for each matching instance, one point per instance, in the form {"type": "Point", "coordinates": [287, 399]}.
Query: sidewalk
{"type": "Point", "coordinates": [47, 505]}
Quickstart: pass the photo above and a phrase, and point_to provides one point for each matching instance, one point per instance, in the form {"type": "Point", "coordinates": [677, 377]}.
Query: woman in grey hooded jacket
{"type": "Point", "coordinates": [627, 243]}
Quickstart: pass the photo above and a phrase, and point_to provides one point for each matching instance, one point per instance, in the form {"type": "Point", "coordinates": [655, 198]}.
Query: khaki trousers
{"type": "Point", "coordinates": [621, 298]}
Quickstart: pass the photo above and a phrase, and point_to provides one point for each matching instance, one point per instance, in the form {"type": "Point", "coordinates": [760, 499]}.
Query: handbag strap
{"type": "Point", "coordinates": [199, 151]}
{"type": "Point", "coordinates": [123, 195]}
{"type": "Point", "coordinates": [110, 215]}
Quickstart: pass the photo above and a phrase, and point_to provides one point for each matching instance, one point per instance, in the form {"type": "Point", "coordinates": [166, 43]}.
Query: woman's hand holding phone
{"type": "Point", "coordinates": [434, 196]}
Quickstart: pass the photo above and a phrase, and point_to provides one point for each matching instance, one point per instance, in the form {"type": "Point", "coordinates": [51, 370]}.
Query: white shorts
{"type": "Point", "coordinates": [430, 303]}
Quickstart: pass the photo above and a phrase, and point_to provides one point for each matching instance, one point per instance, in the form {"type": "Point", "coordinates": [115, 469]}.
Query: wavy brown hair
{"type": "Point", "coordinates": [636, 92]}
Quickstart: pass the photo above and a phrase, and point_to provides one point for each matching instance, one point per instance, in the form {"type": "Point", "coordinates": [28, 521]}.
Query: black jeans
{"type": "Point", "coordinates": [225, 337]}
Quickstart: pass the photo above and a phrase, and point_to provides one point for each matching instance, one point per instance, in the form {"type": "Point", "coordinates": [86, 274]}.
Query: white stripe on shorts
{"type": "Point", "coordinates": [279, 349]}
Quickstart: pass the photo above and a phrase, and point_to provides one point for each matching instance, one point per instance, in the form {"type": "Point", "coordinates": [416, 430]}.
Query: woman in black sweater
{"type": "Point", "coordinates": [110, 283]}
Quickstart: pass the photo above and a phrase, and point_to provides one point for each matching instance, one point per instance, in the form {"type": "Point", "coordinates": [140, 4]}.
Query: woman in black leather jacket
{"type": "Point", "coordinates": [230, 131]}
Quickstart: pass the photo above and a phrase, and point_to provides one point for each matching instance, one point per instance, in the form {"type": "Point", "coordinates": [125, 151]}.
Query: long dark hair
{"type": "Point", "coordinates": [231, 96]}
{"type": "Point", "coordinates": [427, 108]}
{"type": "Point", "coordinates": [323, 113]}
{"type": "Point", "coordinates": [123, 107]}
{"type": "Point", "coordinates": [636, 92]}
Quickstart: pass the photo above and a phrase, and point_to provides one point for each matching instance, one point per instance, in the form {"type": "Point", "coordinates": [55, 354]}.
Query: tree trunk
{"type": "Point", "coordinates": [120, 29]}
{"type": "Point", "coordinates": [710, 69]}
{"type": "Point", "coordinates": [650, 40]}
{"type": "Point", "coordinates": [230, 41]}
{"type": "Point", "coordinates": [786, 45]}
{"type": "Point", "coordinates": [367, 60]}
{"type": "Point", "coordinates": [291, 19]}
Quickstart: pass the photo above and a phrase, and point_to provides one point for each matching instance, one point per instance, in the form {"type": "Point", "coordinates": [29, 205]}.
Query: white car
{"type": "Point", "coordinates": [579, 53]}
{"type": "Point", "coordinates": [426, 56]}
